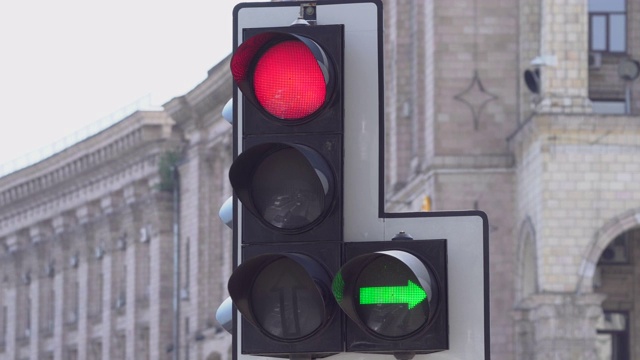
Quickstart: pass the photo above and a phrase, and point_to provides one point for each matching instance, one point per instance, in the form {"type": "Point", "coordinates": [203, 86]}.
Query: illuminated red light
{"type": "Point", "coordinates": [288, 82]}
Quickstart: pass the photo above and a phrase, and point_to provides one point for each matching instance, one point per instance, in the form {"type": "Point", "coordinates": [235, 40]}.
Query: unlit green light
{"type": "Point", "coordinates": [411, 295]}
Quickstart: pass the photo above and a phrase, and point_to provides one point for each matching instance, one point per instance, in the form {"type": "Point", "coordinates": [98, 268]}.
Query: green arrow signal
{"type": "Point", "coordinates": [411, 295]}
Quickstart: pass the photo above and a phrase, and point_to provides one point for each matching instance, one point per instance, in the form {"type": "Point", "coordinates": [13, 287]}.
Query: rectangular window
{"type": "Point", "coordinates": [187, 262]}
{"type": "Point", "coordinates": [99, 294]}
{"type": "Point", "coordinates": [51, 309]}
{"type": "Point", "coordinates": [23, 310]}
{"type": "Point", "coordinates": [94, 352]}
{"type": "Point", "coordinates": [143, 344]}
{"type": "Point", "coordinates": [27, 321]}
{"type": "Point", "coordinates": [47, 308]}
{"type": "Point", "coordinates": [3, 327]}
{"type": "Point", "coordinates": [142, 275]}
{"type": "Point", "coordinates": [598, 33]}
{"type": "Point", "coordinates": [118, 277]}
{"type": "Point", "coordinates": [608, 26]}
{"type": "Point", "coordinates": [613, 336]}
{"type": "Point", "coordinates": [95, 286]}
{"type": "Point", "coordinates": [617, 33]}
{"type": "Point", "coordinates": [75, 302]}
{"type": "Point", "coordinates": [72, 354]}
{"type": "Point", "coordinates": [71, 293]}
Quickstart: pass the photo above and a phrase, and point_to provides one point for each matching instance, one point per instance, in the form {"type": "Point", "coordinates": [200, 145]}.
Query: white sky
{"type": "Point", "coordinates": [66, 64]}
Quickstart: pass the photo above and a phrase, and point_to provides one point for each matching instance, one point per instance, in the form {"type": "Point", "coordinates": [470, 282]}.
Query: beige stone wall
{"type": "Point", "coordinates": [577, 187]}
{"type": "Point", "coordinates": [564, 34]}
{"type": "Point", "coordinates": [479, 37]}
{"type": "Point", "coordinates": [578, 173]}
{"type": "Point", "coordinates": [434, 148]}
{"type": "Point", "coordinates": [206, 247]}
{"type": "Point", "coordinates": [633, 48]}
{"type": "Point", "coordinates": [529, 49]}
{"type": "Point", "coordinates": [409, 88]}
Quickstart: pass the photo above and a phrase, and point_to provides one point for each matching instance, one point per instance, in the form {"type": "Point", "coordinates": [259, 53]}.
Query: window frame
{"type": "Point", "coordinates": [620, 339]}
{"type": "Point", "coordinates": [607, 16]}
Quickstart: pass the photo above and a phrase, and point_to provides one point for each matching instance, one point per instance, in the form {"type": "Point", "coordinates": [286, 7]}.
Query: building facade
{"type": "Point", "coordinates": [86, 235]}
{"type": "Point", "coordinates": [113, 248]}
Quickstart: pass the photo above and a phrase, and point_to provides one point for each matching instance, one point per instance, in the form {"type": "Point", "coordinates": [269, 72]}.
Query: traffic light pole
{"type": "Point", "coordinates": [176, 262]}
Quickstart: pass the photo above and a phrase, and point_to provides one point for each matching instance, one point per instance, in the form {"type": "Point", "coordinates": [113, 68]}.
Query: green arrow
{"type": "Point", "coordinates": [411, 295]}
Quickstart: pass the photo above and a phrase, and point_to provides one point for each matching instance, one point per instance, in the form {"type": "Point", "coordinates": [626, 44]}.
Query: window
{"type": "Point", "coordinates": [607, 26]}
{"type": "Point", "coordinates": [72, 353]}
{"type": "Point", "coordinates": [47, 307]}
{"type": "Point", "coordinates": [143, 260]}
{"type": "Point", "coordinates": [613, 336]}
{"type": "Point", "coordinates": [94, 352]}
{"type": "Point", "coordinates": [70, 296]}
{"type": "Point", "coordinates": [187, 262]}
{"type": "Point", "coordinates": [3, 327]}
{"type": "Point", "coordinates": [617, 252]}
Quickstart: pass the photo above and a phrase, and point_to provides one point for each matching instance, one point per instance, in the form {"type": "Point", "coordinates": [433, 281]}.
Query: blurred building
{"type": "Point", "coordinates": [88, 266]}
{"type": "Point", "coordinates": [89, 247]}
{"type": "Point", "coordinates": [553, 157]}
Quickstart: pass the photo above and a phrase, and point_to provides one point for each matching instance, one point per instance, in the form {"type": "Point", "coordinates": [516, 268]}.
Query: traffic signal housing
{"type": "Point", "coordinates": [288, 234]}
{"type": "Point", "coordinates": [395, 293]}
{"type": "Point", "coordinates": [283, 293]}
{"type": "Point", "coordinates": [287, 176]}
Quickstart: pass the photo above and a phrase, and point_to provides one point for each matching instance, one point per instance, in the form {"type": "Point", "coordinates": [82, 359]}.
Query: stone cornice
{"type": "Point", "coordinates": [106, 162]}
{"type": "Point", "coordinates": [200, 104]}
{"type": "Point", "coordinates": [585, 129]}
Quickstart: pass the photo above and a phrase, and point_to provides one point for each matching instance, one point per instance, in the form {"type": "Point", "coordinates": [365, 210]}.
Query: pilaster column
{"type": "Point", "coordinates": [564, 48]}
{"type": "Point", "coordinates": [558, 326]}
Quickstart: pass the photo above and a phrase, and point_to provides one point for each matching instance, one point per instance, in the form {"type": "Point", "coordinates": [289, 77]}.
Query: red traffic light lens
{"type": "Point", "coordinates": [288, 81]}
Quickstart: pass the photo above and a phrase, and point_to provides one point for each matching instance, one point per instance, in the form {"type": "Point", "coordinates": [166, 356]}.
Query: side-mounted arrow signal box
{"type": "Point", "coordinates": [396, 318]}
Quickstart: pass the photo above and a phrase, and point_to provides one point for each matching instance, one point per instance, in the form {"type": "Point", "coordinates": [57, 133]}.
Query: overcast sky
{"type": "Point", "coordinates": [67, 64]}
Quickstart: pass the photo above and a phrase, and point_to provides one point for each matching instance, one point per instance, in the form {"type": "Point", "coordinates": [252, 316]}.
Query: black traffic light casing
{"type": "Point", "coordinates": [311, 260]}
{"type": "Point", "coordinates": [321, 152]}
{"type": "Point", "coordinates": [288, 177]}
{"type": "Point", "coordinates": [318, 137]}
{"type": "Point", "coordinates": [388, 325]}
{"type": "Point", "coordinates": [330, 38]}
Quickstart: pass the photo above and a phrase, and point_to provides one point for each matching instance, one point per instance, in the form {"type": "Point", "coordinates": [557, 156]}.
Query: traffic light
{"type": "Point", "coordinates": [395, 293]}
{"type": "Point", "coordinates": [289, 173]}
{"type": "Point", "coordinates": [315, 273]}
{"type": "Point", "coordinates": [287, 176]}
